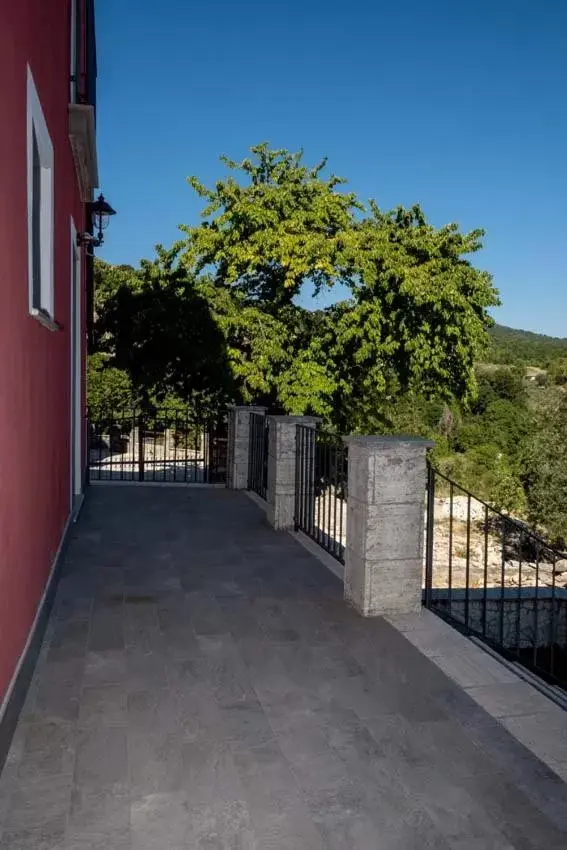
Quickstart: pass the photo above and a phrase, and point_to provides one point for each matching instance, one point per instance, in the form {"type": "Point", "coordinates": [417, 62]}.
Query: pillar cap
{"type": "Point", "coordinates": [389, 441]}
{"type": "Point", "coordinates": [295, 420]}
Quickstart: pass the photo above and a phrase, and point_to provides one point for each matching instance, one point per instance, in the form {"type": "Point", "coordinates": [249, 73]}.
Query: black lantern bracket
{"type": "Point", "coordinates": [100, 212]}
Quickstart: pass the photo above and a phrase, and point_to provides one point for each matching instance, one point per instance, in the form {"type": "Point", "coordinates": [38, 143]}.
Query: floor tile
{"type": "Point", "coordinates": [36, 801]}
{"type": "Point", "coordinates": [98, 812]}
{"type": "Point", "coordinates": [155, 762]}
{"type": "Point", "coordinates": [49, 749]}
{"type": "Point", "coordinates": [202, 684]}
{"type": "Point", "coordinates": [159, 821]}
{"type": "Point", "coordinates": [107, 667]}
{"type": "Point", "coordinates": [103, 705]}
{"type": "Point", "coordinates": [226, 826]}
{"type": "Point", "coordinates": [49, 836]}
{"type": "Point", "coordinates": [101, 757]}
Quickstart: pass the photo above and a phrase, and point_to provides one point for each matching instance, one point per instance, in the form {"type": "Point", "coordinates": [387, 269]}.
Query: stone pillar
{"type": "Point", "coordinates": [239, 444]}
{"type": "Point", "coordinates": [282, 450]}
{"type": "Point", "coordinates": [385, 524]}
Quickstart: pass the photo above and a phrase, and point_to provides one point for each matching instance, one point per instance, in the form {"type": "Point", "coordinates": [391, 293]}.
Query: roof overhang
{"type": "Point", "coordinates": [82, 136]}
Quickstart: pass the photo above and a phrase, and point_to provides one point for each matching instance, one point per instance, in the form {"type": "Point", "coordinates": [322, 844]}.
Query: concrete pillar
{"type": "Point", "coordinates": [239, 444]}
{"type": "Point", "coordinates": [385, 524]}
{"type": "Point", "coordinates": [280, 511]}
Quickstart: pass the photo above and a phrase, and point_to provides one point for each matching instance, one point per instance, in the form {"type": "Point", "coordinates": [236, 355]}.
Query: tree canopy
{"type": "Point", "coordinates": [154, 326]}
{"type": "Point", "coordinates": [284, 224]}
{"type": "Point", "coordinates": [544, 471]}
{"type": "Point", "coordinates": [557, 371]}
{"type": "Point", "coordinates": [220, 314]}
{"type": "Point", "coordinates": [417, 313]}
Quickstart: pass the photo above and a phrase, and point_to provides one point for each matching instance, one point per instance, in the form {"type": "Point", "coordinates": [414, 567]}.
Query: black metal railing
{"type": "Point", "coordinates": [494, 577]}
{"type": "Point", "coordinates": [321, 488]}
{"type": "Point", "coordinates": [258, 454]}
{"type": "Point", "coordinates": [163, 445]}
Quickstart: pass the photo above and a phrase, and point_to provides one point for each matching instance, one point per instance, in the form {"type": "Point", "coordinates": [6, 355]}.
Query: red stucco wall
{"type": "Point", "coordinates": [34, 362]}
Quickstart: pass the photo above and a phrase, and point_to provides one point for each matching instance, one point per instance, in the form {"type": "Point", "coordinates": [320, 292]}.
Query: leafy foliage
{"type": "Point", "coordinates": [109, 389]}
{"type": "Point", "coordinates": [545, 472]}
{"type": "Point", "coordinates": [161, 333]}
{"type": "Point", "coordinates": [486, 471]}
{"type": "Point", "coordinates": [284, 225]}
{"type": "Point", "coordinates": [108, 280]}
{"type": "Point", "coordinates": [482, 446]}
{"type": "Point", "coordinates": [503, 424]}
{"type": "Point", "coordinates": [416, 318]}
{"type": "Point", "coordinates": [504, 383]}
{"type": "Point", "coordinates": [420, 307]}
{"type": "Point", "coordinates": [557, 371]}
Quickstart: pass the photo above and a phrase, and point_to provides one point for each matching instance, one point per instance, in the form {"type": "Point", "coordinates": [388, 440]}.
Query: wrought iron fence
{"type": "Point", "coordinates": [321, 488]}
{"type": "Point", "coordinates": [164, 445]}
{"type": "Point", "coordinates": [258, 454]}
{"type": "Point", "coordinates": [494, 577]}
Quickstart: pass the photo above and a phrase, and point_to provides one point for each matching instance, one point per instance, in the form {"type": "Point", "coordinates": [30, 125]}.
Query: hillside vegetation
{"type": "Point", "coordinates": [509, 446]}
{"type": "Point", "coordinates": [512, 346]}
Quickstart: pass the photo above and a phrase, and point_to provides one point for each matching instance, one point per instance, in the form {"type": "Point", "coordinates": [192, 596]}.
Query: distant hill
{"type": "Point", "coordinates": [509, 345]}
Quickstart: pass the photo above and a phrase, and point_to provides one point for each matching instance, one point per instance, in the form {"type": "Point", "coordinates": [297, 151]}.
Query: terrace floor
{"type": "Point", "coordinates": [203, 685]}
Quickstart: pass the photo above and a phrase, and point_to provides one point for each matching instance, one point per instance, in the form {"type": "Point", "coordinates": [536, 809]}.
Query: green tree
{"type": "Point", "coordinates": [286, 224]}
{"type": "Point", "coordinates": [557, 371]}
{"type": "Point", "coordinates": [503, 424]}
{"type": "Point", "coordinates": [108, 280]}
{"type": "Point", "coordinates": [161, 333]}
{"type": "Point", "coordinates": [413, 414]}
{"type": "Point", "coordinates": [110, 390]}
{"type": "Point", "coordinates": [505, 383]}
{"type": "Point", "coordinates": [416, 319]}
{"type": "Point", "coordinates": [420, 307]}
{"type": "Point", "coordinates": [486, 472]}
{"type": "Point", "coordinates": [545, 473]}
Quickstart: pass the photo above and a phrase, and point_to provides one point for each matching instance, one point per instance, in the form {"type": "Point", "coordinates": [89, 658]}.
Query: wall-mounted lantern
{"type": "Point", "coordinates": [100, 212]}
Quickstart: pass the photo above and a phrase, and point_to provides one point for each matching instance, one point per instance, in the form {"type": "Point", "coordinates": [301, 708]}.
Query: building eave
{"type": "Point", "coordinates": [82, 136]}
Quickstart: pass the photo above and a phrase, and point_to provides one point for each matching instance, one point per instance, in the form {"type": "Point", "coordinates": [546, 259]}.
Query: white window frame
{"type": "Point", "coordinates": [36, 124]}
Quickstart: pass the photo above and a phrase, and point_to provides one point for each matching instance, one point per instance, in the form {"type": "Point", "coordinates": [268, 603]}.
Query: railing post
{"type": "Point", "coordinates": [429, 531]}
{"type": "Point", "coordinates": [385, 524]}
{"type": "Point", "coordinates": [304, 506]}
{"type": "Point", "coordinates": [141, 450]}
{"type": "Point", "coordinates": [282, 454]}
{"type": "Point", "coordinates": [258, 454]}
{"type": "Point", "coordinates": [238, 448]}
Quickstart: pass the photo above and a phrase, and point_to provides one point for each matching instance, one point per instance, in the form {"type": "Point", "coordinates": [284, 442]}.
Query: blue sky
{"type": "Point", "coordinates": [461, 107]}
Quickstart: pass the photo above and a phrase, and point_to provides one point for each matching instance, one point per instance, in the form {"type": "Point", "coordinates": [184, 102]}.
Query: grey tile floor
{"type": "Point", "coordinates": [203, 685]}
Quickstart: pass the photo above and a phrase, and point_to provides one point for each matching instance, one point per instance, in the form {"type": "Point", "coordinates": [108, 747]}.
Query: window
{"type": "Point", "coordinates": [40, 208]}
